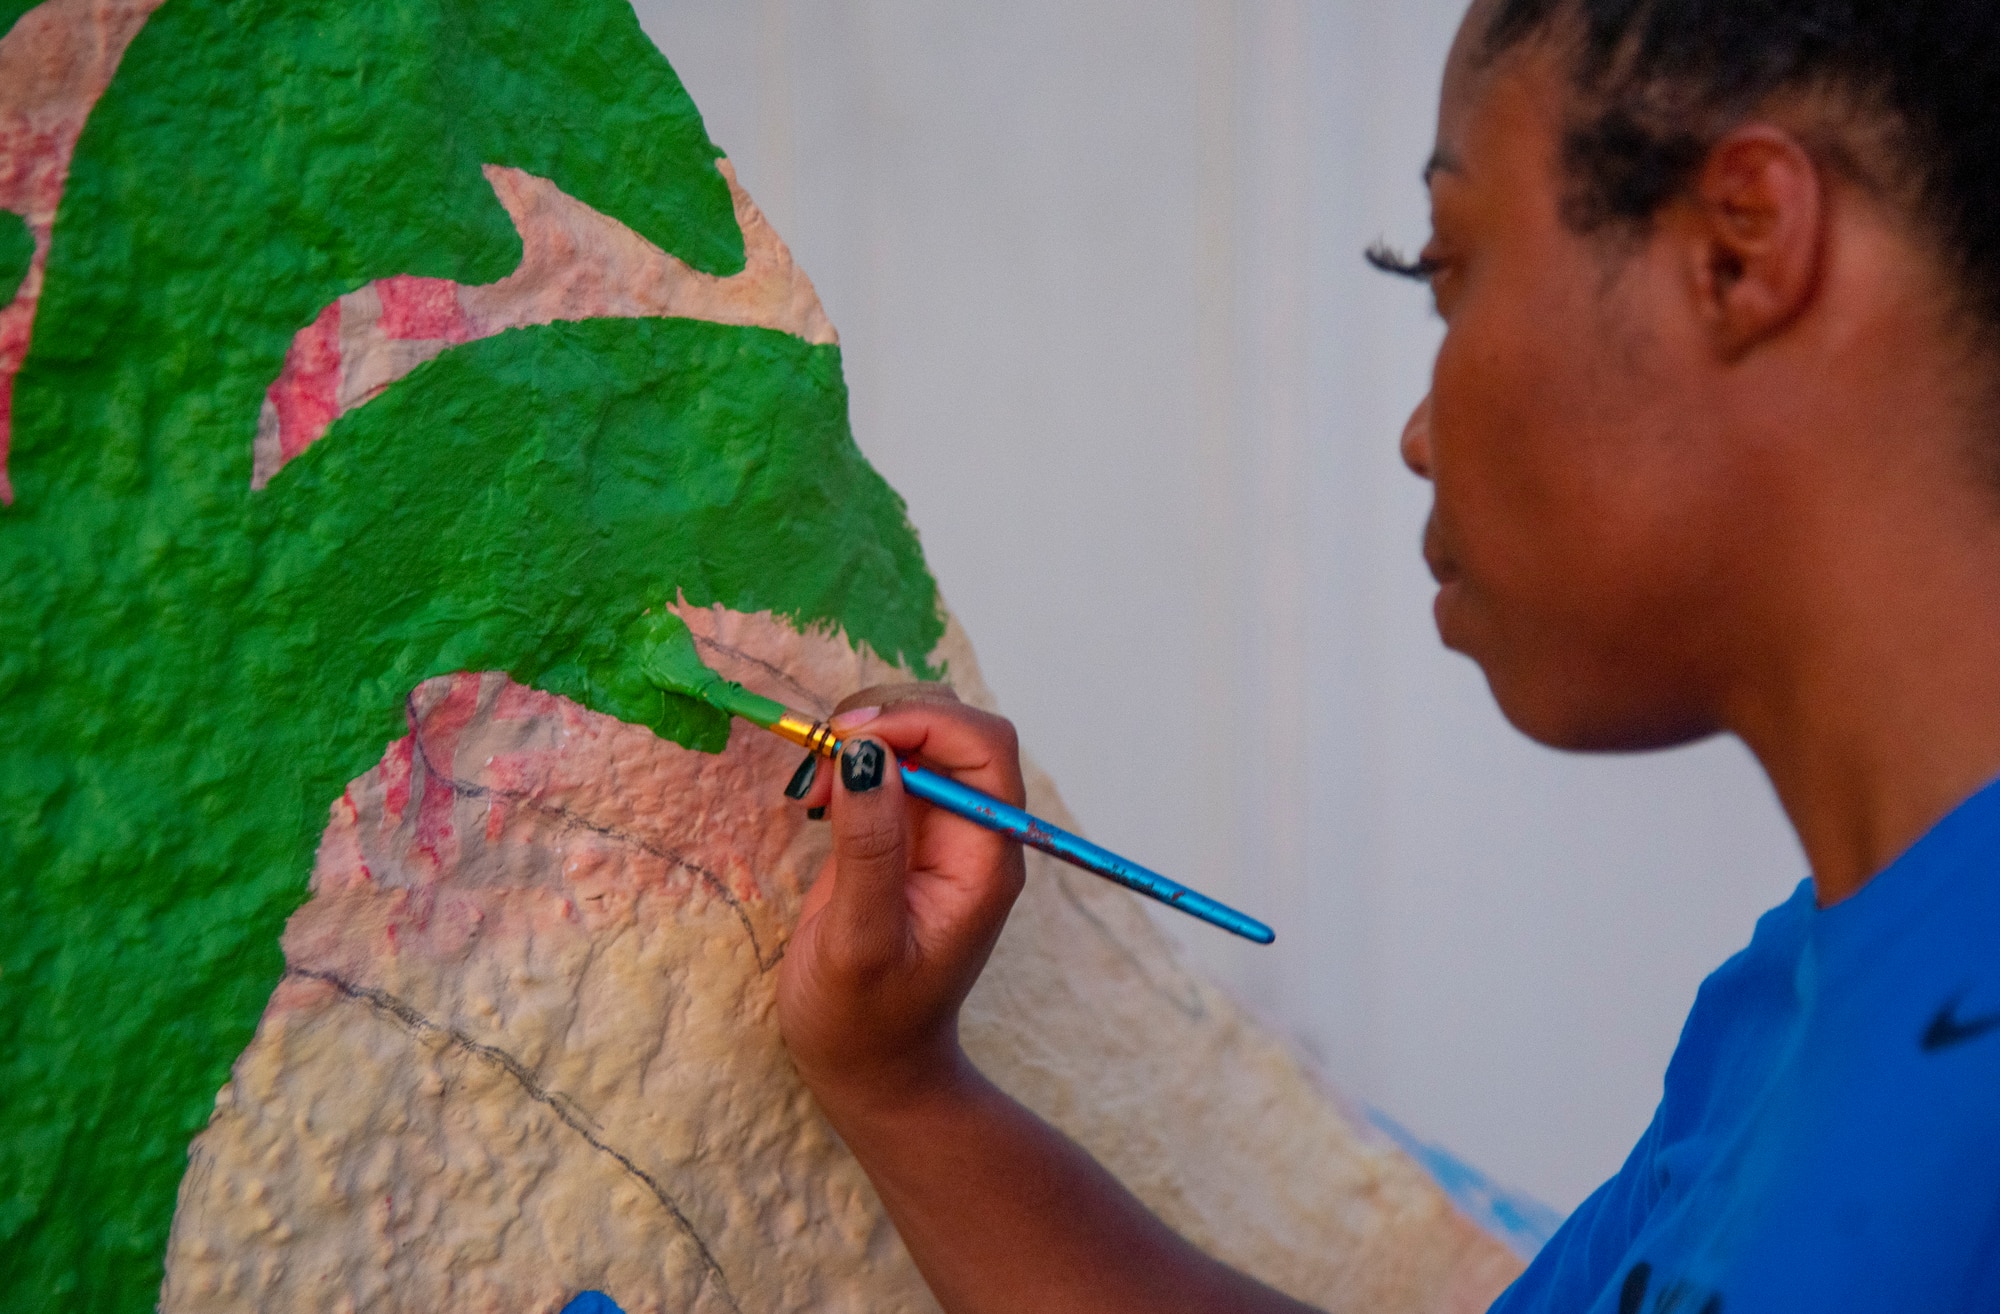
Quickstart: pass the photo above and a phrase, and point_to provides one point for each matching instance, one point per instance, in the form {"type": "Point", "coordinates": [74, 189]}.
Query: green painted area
{"type": "Point", "coordinates": [10, 10]}
{"type": "Point", "coordinates": [17, 252]}
{"type": "Point", "coordinates": [671, 662]}
{"type": "Point", "coordinates": [190, 672]}
{"type": "Point", "coordinates": [256, 159]}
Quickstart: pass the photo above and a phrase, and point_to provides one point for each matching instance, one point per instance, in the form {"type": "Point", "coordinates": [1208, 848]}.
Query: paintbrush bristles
{"type": "Point", "coordinates": [673, 663]}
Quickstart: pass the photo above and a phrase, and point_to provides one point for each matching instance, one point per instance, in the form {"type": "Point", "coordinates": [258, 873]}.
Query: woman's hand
{"type": "Point", "coordinates": [903, 917]}
{"type": "Point", "coordinates": [1000, 1211]}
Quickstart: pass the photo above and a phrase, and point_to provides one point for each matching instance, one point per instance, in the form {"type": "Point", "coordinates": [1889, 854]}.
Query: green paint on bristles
{"type": "Point", "coordinates": [673, 663]}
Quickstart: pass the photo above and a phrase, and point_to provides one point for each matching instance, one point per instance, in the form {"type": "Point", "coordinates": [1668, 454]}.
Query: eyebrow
{"type": "Point", "coordinates": [1441, 161]}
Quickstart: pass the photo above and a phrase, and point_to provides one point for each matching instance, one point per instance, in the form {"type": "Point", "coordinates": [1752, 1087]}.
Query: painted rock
{"type": "Point", "coordinates": [371, 370]}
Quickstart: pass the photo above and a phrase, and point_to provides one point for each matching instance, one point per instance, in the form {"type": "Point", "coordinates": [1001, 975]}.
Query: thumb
{"type": "Point", "coordinates": [869, 912]}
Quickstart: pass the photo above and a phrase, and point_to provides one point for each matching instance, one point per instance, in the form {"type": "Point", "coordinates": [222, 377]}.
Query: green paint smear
{"type": "Point", "coordinates": [17, 252]}
{"type": "Point", "coordinates": [190, 673]}
{"type": "Point", "coordinates": [671, 662]}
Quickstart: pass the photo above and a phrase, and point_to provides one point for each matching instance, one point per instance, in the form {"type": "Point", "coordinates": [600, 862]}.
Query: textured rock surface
{"type": "Point", "coordinates": [354, 345]}
{"type": "Point", "coordinates": [525, 1047]}
{"type": "Point", "coordinates": [190, 666]}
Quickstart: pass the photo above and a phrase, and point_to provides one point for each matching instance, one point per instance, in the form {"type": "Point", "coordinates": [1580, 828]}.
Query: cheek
{"type": "Point", "coordinates": [1556, 484]}
{"type": "Point", "coordinates": [1501, 449]}
{"type": "Point", "coordinates": [1592, 528]}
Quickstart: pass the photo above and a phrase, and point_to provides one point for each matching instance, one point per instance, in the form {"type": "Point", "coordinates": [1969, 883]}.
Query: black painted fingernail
{"type": "Point", "coordinates": [861, 764]}
{"type": "Point", "coordinates": [802, 779]}
{"type": "Point", "coordinates": [816, 814]}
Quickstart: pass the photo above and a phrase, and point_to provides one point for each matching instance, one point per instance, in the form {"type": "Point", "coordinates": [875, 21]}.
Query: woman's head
{"type": "Point", "coordinates": [1904, 92]}
{"type": "Point", "coordinates": [1715, 274]}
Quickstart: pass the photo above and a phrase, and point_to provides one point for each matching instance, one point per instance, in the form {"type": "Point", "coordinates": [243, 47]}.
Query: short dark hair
{"type": "Point", "coordinates": [1658, 82]}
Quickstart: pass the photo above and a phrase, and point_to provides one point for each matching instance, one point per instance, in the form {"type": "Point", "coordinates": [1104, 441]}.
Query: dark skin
{"type": "Point", "coordinates": [1721, 476]}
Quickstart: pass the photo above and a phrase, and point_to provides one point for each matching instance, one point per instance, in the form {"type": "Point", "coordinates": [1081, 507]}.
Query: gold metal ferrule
{"type": "Point", "coordinates": [815, 735]}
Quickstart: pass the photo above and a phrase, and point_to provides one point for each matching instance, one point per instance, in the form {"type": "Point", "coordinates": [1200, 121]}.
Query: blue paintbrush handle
{"type": "Point", "coordinates": [963, 800]}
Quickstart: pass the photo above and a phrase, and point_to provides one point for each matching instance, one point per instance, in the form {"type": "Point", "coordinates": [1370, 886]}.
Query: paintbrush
{"type": "Point", "coordinates": [674, 666]}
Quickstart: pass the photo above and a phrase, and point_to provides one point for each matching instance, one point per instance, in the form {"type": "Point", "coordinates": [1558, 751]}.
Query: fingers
{"type": "Point", "coordinates": [927, 721]}
{"type": "Point", "coordinates": [975, 747]}
{"type": "Point", "coordinates": [803, 778]}
{"type": "Point", "coordinates": [868, 910]}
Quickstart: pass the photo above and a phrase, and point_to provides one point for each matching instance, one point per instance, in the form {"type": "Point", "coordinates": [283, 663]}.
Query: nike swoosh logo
{"type": "Point", "coordinates": [1948, 1029]}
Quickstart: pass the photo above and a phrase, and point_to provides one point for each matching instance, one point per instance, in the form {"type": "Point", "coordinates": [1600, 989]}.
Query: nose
{"type": "Point", "coordinates": [1416, 443]}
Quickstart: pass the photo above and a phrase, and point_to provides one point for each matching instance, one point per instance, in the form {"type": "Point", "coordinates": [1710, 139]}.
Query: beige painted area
{"type": "Point", "coordinates": [525, 1047]}
{"type": "Point", "coordinates": [577, 263]}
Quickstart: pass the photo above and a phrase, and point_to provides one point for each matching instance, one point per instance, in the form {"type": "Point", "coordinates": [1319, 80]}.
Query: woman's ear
{"type": "Point", "coordinates": [1754, 224]}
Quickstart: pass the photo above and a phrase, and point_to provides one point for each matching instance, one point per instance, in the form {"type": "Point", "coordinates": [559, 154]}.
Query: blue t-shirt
{"type": "Point", "coordinates": [1829, 1137]}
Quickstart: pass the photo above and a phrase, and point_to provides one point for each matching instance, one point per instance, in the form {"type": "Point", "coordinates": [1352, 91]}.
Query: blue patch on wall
{"type": "Point", "coordinates": [1524, 1223]}
{"type": "Point", "coordinates": [592, 1302]}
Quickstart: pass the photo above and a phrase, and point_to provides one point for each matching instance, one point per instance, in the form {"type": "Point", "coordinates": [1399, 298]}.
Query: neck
{"type": "Point", "coordinates": [1877, 710]}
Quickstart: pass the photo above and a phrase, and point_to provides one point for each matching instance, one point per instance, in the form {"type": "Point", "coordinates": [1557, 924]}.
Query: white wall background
{"type": "Point", "coordinates": [1096, 266]}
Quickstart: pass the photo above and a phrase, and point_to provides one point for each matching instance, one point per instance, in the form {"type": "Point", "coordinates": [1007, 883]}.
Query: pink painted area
{"type": "Point", "coordinates": [422, 310]}
{"type": "Point", "coordinates": [306, 394]}
{"type": "Point", "coordinates": [34, 160]}
{"type": "Point", "coordinates": [511, 776]}
{"type": "Point", "coordinates": [340, 847]}
{"type": "Point", "coordinates": [437, 831]}
{"type": "Point", "coordinates": [512, 821]}
{"type": "Point", "coordinates": [517, 702]}
{"type": "Point", "coordinates": [334, 363]}
{"type": "Point", "coordinates": [510, 815]}
{"type": "Point", "coordinates": [14, 328]}
{"type": "Point", "coordinates": [397, 766]}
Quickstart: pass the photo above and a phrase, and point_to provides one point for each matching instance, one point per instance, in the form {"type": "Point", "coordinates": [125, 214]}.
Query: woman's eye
{"type": "Point", "coordinates": [1424, 268]}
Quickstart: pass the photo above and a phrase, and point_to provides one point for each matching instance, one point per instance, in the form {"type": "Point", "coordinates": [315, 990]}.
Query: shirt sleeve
{"type": "Point", "coordinates": [1581, 1260]}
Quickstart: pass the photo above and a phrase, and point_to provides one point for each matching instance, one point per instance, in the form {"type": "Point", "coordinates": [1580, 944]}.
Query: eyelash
{"type": "Point", "coordinates": [1391, 261]}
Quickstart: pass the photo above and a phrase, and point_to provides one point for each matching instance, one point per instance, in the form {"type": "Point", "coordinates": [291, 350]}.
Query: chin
{"type": "Point", "coordinates": [1573, 715]}
{"type": "Point", "coordinates": [1559, 696]}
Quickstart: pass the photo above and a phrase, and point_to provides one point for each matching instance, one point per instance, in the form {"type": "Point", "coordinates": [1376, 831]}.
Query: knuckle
{"type": "Point", "coordinates": [1006, 737]}
{"type": "Point", "coordinates": [872, 841]}
{"type": "Point", "coordinates": [991, 729]}
{"type": "Point", "coordinates": [870, 962]}
{"type": "Point", "coordinates": [852, 964]}
{"type": "Point", "coordinates": [1005, 745]}
{"type": "Point", "coordinates": [865, 954]}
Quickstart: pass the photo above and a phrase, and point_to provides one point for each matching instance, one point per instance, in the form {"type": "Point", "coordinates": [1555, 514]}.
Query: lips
{"type": "Point", "coordinates": [1443, 569]}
